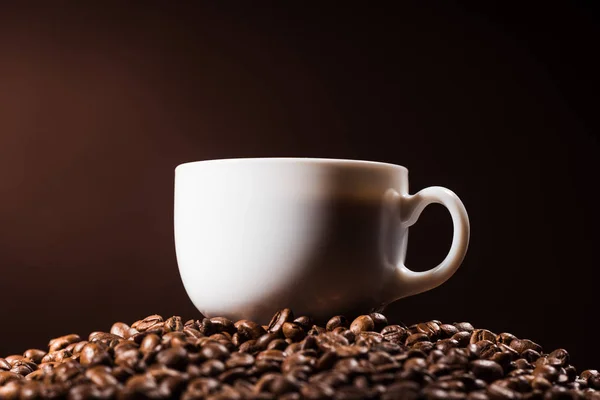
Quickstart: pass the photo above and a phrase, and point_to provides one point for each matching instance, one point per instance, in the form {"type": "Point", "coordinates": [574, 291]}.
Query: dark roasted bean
{"type": "Point", "coordinates": [280, 317]}
{"type": "Point", "coordinates": [448, 330]}
{"type": "Point", "coordinates": [293, 331]}
{"type": "Point", "coordinates": [431, 329]}
{"type": "Point", "coordinates": [395, 334]}
{"type": "Point", "coordinates": [220, 324]}
{"type": "Point", "coordinates": [379, 320]}
{"type": "Point", "coordinates": [462, 338]}
{"type": "Point", "coordinates": [486, 370]}
{"type": "Point", "coordinates": [546, 371]}
{"type": "Point", "coordinates": [249, 330]}
{"type": "Point", "coordinates": [416, 337]}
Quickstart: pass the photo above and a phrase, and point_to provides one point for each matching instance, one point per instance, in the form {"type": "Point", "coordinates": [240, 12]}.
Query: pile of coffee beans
{"type": "Point", "coordinates": [292, 358]}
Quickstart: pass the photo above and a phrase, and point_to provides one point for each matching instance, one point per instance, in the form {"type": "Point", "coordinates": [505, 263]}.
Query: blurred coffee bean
{"type": "Point", "coordinates": [464, 327]}
{"type": "Point", "coordinates": [336, 322]}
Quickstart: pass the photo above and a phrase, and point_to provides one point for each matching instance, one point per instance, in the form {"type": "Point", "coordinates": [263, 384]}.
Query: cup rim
{"type": "Point", "coordinates": [305, 160]}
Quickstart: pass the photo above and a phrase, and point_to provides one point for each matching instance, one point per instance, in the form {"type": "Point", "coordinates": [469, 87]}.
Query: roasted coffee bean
{"type": "Point", "coordinates": [482, 334]}
{"type": "Point", "coordinates": [249, 329]}
{"type": "Point", "coordinates": [173, 324]}
{"type": "Point", "coordinates": [315, 330]}
{"type": "Point", "coordinates": [240, 360]}
{"type": "Point", "coordinates": [214, 350]}
{"type": "Point", "coordinates": [336, 322]}
{"type": "Point", "coordinates": [486, 370]}
{"type": "Point", "coordinates": [293, 331]}
{"type": "Point", "coordinates": [505, 338]}
{"type": "Point", "coordinates": [62, 342]}
{"type": "Point", "coordinates": [416, 337]}
{"type": "Point", "coordinates": [362, 323]}
{"type": "Point", "coordinates": [147, 323]}
{"type": "Point", "coordinates": [558, 358]}
{"type": "Point", "coordinates": [462, 338]}
{"type": "Point", "coordinates": [379, 321]}
{"type": "Point", "coordinates": [447, 330]}
{"type": "Point", "coordinates": [499, 392]}
{"type": "Point", "coordinates": [174, 357]}
{"type": "Point", "coordinates": [305, 322]}
{"type": "Point", "coordinates": [280, 317]}
{"type": "Point", "coordinates": [221, 324]}
{"type": "Point", "coordinates": [546, 371]}
{"type": "Point", "coordinates": [520, 345]}
{"type": "Point", "coordinates": [395, 334]}
{"type": "Point", "coordinates": [431, 329]}
{"type": "Point", "coordinates": [277, 344]}
{"type": "Point", "coordinates": [217, 359]}
{"type": "Point", "coordinates": [34, 355]}
{"type": "Point", "coordinates": [464, 327]}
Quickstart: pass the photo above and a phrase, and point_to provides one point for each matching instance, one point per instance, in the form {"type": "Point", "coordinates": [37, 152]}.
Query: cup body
{"type": "Point", "coordinates": [316, 235]}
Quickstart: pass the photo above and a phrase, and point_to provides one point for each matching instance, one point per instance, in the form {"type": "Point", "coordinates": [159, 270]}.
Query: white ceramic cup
{"type": "Point", "coordinates": [321, 236]}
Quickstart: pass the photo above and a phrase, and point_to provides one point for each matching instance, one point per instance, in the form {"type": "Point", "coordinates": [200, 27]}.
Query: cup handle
{"type": "Point", "coordinates": [409, 282]}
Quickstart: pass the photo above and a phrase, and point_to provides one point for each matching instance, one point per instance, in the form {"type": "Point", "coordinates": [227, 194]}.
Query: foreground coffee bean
{"type": "Point", "coordinates": [368, 357]}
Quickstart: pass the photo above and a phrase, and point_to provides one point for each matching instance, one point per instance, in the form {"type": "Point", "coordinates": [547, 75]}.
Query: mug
{"type": "Point", "coordinates": [323, 237]}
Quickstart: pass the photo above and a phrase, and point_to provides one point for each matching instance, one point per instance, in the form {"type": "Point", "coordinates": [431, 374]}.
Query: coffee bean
{"type": "Point", "coordinates": [175, 357]}
{"type": "Point", "coordinates": [379, 321]}
{"type": "Point", "coordinates": [293, 331]}
{"type": "Point", "coordinates": [315, 330]}
{"type": "Point", "coordinates": [498, 392]}
{"type": "Point", "coordinates": [219, 325]}
{"type": "Point", "coordinates": [482, 334]}
{"type": "Point", "coordinates": [402, 390]}
{"type": "Point", "coordinates": [416, 337]}
{"type": "Point", "coordinates": [277, 344]}
{"type": "Point", "coordinates": [173, 324]}
{"type": "Point", "coordinates": [431, 329]}
{"type": "Point", "coordinates": [464, 327]}
{"type": "Point", "coordinates": [447, 330]}
{"type": "Point", "coordinates": [486, 370]}
{"type": "Point", "coordinates": [546, 371]}
{"type": "Point", "coordinates": [362, 323]}
{"type": "Point", "coordinates": [237, 360]}
{"type": "Point", "coordinates": [62, 342]}
{"type": "Point", "coordinates": [249, 329]}
{"type": "Point", "coordinates": [395, 334]}
{"type": "Point", "coordinates": [337, 322]}
{"type": "Point", "coordinates": [520, 345]}
{"type": "Point", "coordinates": [558, 358]}
{"type": "Point", "coordinates": [147, 323]}
{"type": "Point", "coordinates": [7, 376]}
{"type": "Point", "coordinates": [317, 391]}
{"type": "Point", "coordinates": [280, 317]}
{"type": "Point", "coordinates": [215, 358]}
{"type": "Point", "coordinates": [462, 338]}
{"type": "Point", "coordinates": [214, 350]}
{"type": "Point", "coordinates": [477, 396]}
{"type": "Point", "coordinates": [305, 322]}
{"type": "Point", "coordinates": [594, 381]}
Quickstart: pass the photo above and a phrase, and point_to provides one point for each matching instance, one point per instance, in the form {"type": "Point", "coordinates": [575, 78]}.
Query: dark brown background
{"type": "Point", "coordinates": [99, 104]}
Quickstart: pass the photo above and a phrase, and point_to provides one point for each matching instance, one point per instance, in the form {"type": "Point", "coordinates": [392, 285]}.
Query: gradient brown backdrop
{"type": "Point", "coordinates": [99, 104]}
